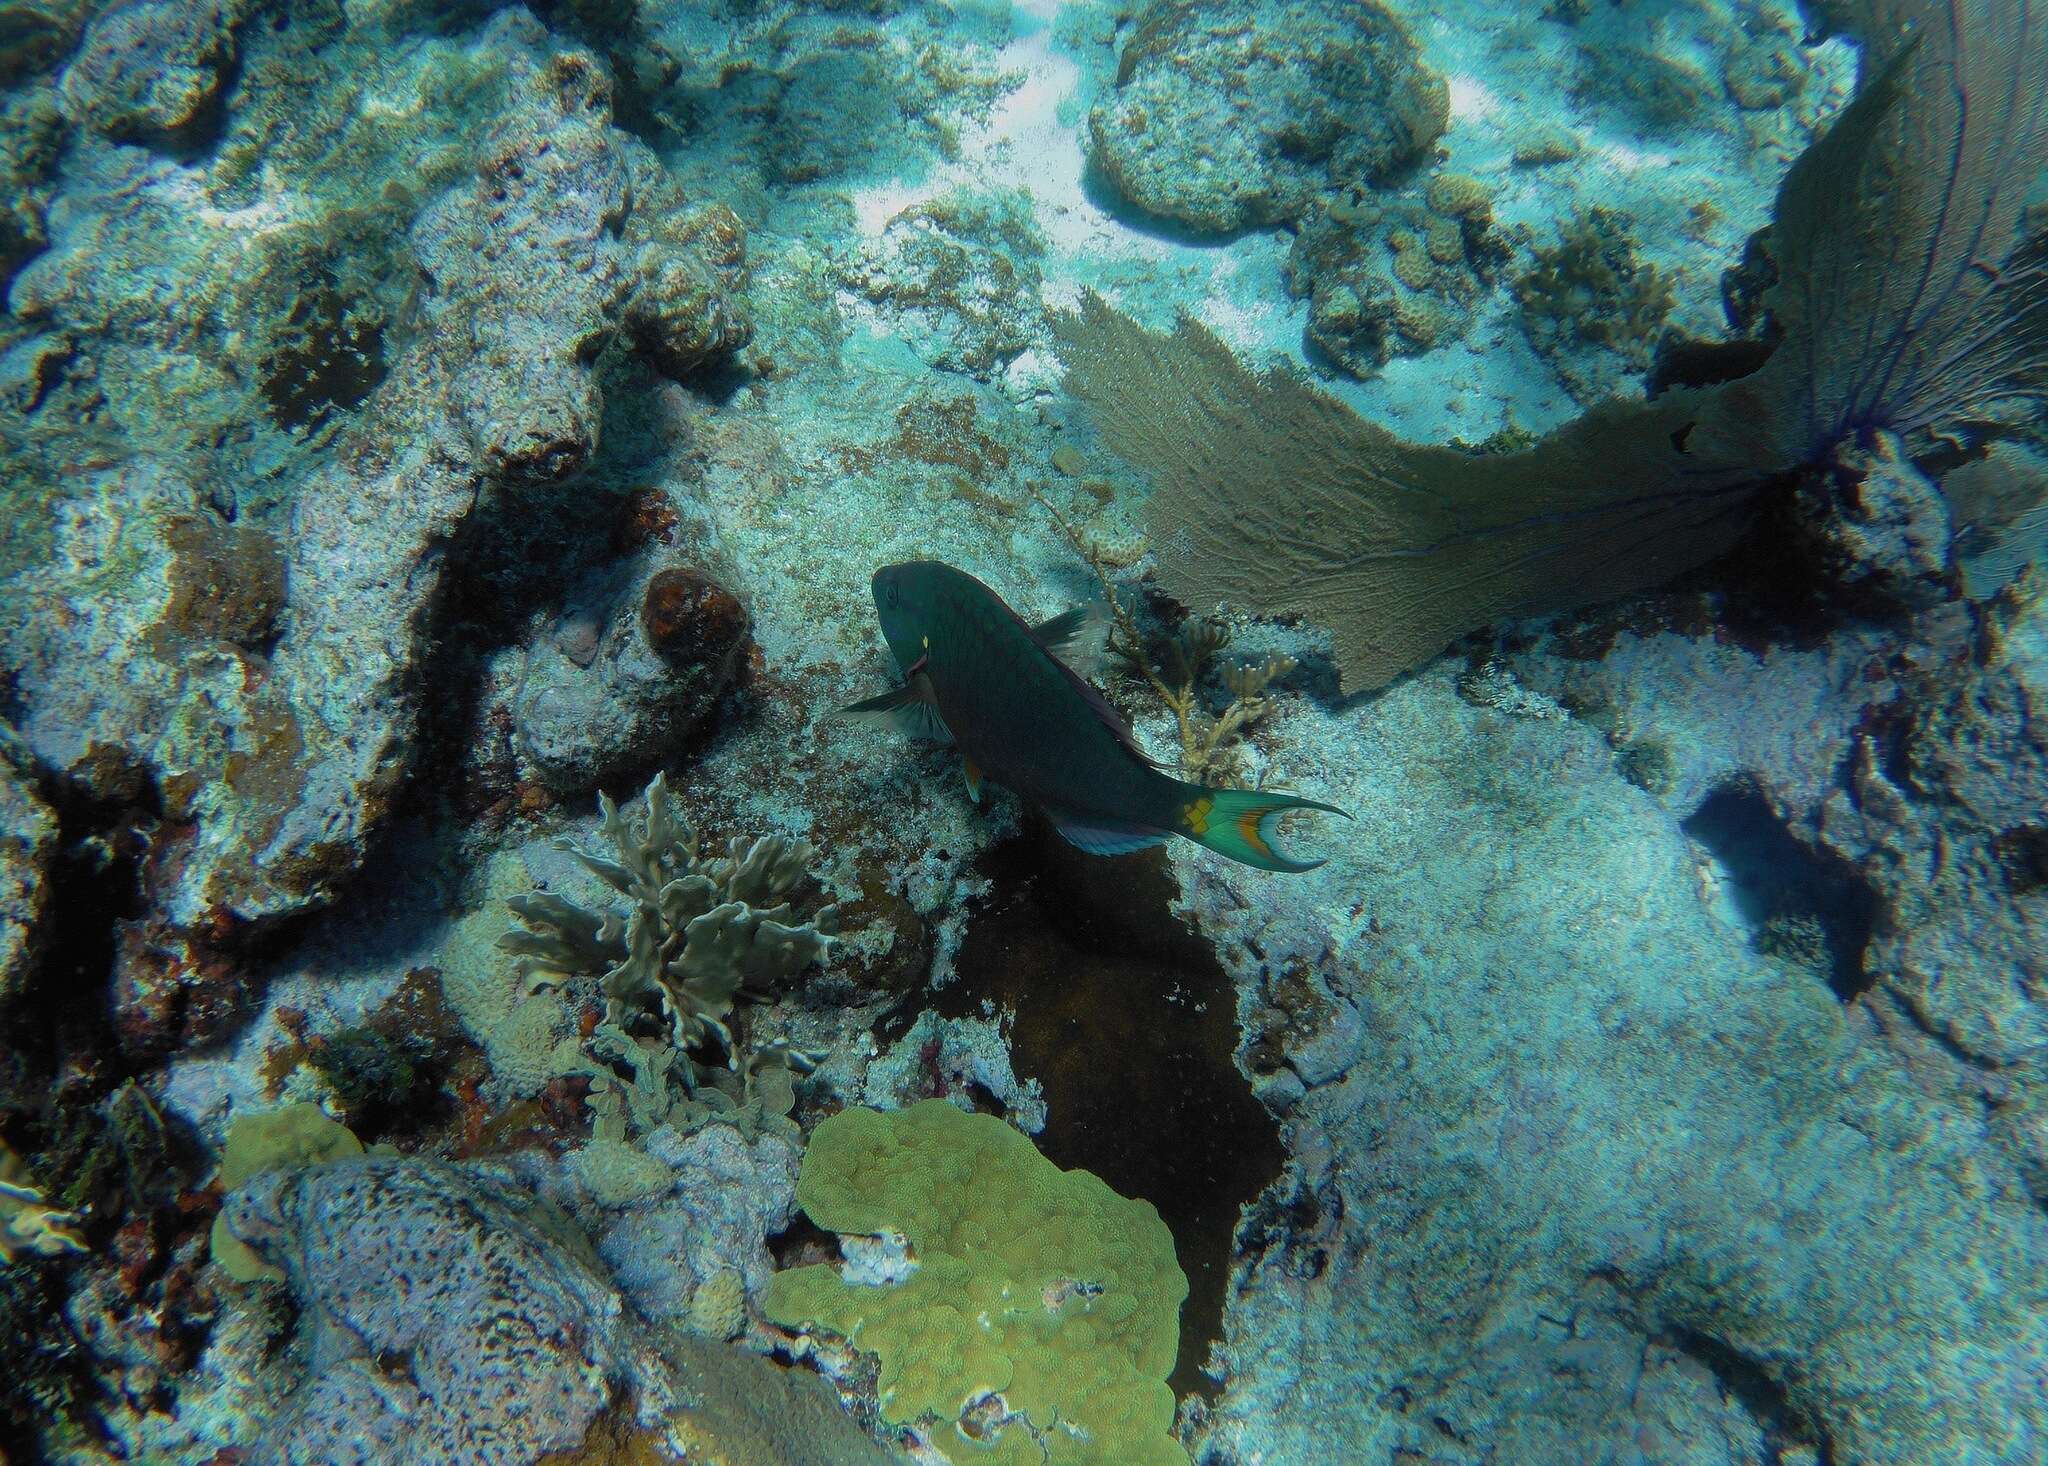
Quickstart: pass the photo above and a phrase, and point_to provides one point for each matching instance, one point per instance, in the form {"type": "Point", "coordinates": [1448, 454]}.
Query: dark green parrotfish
{"type": "Point", "coordinates": [976, 675]}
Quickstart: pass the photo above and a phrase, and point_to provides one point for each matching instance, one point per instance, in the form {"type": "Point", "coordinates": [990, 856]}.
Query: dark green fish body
{"type": "Point", "coordinates": [977, 673]}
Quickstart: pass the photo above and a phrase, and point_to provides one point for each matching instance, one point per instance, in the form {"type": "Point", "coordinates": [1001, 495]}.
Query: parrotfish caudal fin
{"type": "Point", "coordinates": [1240, 823]}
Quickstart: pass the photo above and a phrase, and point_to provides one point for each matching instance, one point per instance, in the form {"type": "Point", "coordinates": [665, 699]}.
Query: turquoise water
{"type": "Point", "coordinates": [468, 995]}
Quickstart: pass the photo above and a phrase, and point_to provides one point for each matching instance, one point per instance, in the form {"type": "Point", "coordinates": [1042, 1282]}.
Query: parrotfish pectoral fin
{"type": "Point", "coordinates": [909, 709]}
{"type": "Point", "coordinates": [1079, 637]}
{"type": "Point", "coordinates": [967, 767]}
{"type": "Point", "coordinates": [1241, 823]}
{"type": "Point", "coordinates": [1100, 837]}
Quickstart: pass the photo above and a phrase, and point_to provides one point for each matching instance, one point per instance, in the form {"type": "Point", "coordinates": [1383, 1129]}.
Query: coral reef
{"type": "Point", "coordinates": [450, 1314]}
{"type": "Point", "coordinates": [1236, 114]}
{"type": "Point", "coordinates": [151, 70]}
{"type": "Point", "coordinates": [1999, 505]}
{"type": "Point", "coordinates": [512, 1342]}
{"type": "Point", "coordinates": [958, 276]}
{"type": "Point", "coordinates": [1209, 751]}
{"type": "Point", "coordinates": [275, 750]}
{"type": "Point", "coordinates": [965, 1060]}
{"type": "Point", "coordinates": [1395, 274]}
{"type": "Point", "coordinates": [415, 419]}
{"type": "Point", "coordinates": [280, 1140]}
{"type": "Point", "coordinates": [1035, 1310]}
{"type": "Point", "coordinates": [1446, 1207]}
{"type": "Point", "coordinates": [721, 1194]}
{"type": "Point", "coordinates": [31, 136]}
{"type": "Point", "coordinates": [634, 661]}
{"type": "Point", "coordinates": [1661, 92]}
{"type": "Point", "coordinates": [738, 1407]}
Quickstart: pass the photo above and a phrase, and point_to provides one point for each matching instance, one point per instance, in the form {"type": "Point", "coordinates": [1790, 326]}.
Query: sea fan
{"type": "Point", "coordinates": [1907, 301]}
{"type": "Point", "coordinates": [1908, 298]}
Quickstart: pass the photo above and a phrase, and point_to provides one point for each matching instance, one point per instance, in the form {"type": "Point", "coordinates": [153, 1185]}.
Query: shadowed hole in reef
{"type": "Point", "coordinates": [1128, 1020]}
{"type": "Point", "coordinates": [1802, 904]}
{"type": "Point", "coordinates": [1744, 1381]}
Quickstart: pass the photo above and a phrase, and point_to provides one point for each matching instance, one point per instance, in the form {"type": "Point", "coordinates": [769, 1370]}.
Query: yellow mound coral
{"type": "Point", "coordinates": [296, 1135]}
{"type": "Point", "coordinates": [1042, 1313]}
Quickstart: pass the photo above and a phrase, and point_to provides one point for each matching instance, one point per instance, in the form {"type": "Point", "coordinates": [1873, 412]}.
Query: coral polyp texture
{"type": "Point", "coordinates": [452, 1314]}
{"type": "Point", "coordinates": [1037, 1313]}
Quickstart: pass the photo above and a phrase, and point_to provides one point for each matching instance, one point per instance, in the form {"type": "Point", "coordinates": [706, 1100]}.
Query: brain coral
{"type": "Point", "coordinates": [1036, 1293]}
{"type": "Point", "coordinates": [453, 1317]}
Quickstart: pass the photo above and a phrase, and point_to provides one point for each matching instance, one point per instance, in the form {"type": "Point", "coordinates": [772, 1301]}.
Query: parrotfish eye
{"type": "Point", "coordinates": [893, 593]}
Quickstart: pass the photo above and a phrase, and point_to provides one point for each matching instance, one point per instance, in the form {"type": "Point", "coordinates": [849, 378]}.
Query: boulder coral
{"type": "Point", "coordinates": [1236, 114]}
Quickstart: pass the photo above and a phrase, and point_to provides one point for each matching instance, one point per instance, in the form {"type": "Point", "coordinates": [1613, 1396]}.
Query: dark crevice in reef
{"type": "Point", "coordinates": [59, 1031]}
{"type": "Point", "coordinates": [1768, 591]}
{"type": "Point", "coordinates": [89, 1132]}
{"type": "Point", "coordinates": [1804, 905]}
{"type": "Point", "coordinates": [507, 566]}
{"type": "Point", "coordinates": [1762, 1397]}
{"type": "Point", "coordinates": [1127, 1018]}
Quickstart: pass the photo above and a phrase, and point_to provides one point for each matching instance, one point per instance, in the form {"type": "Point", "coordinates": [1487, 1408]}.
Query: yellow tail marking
{"type": "Point", "coordinates": [1248, 828]}
{"type": "Point", "coordinates": [1195, 816]}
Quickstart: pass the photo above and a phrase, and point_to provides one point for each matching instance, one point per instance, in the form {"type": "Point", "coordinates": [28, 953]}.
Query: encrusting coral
{"type": "Point", "coordinates": [1040, 1310]}
{"type": "Point", "coordinates": [698, 929]}
{"type": "Point", "coordinates": [277, 1140]}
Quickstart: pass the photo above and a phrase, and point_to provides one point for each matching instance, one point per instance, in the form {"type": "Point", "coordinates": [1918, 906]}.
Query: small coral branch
{"type": "Point", "coordinates": [29, 1225]}
{"type": "Point", "coordinates": [1209, 749]}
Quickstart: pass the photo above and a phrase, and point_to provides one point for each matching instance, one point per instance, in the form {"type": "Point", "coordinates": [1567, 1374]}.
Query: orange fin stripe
{"type": "Point", "coordinates": [1248, 829]}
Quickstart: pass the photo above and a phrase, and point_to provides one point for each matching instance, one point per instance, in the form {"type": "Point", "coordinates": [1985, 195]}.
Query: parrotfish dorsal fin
{"type": "Point", "coordinates": [1078, 637]}
{"type": "Point", "coordinates": [910, 709]}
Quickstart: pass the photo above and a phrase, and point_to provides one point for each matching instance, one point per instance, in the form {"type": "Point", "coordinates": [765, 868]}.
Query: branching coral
{"type": "Point", "coordinates": [1209, 745]}
{"type": "Point", "coordinates": [1592, 287]}
{"type": "Point", "coordinates": [696, 931]}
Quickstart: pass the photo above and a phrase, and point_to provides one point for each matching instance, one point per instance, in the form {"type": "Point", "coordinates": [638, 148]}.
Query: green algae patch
{"type": "Point", "coordinates": [1041, 1314]}
{"type": "Point", "coordinates": [297, 1135]}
